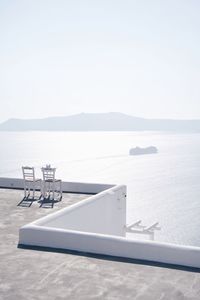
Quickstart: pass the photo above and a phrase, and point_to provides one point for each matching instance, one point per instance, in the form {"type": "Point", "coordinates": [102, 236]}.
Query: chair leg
{"type": "Point", "coordinates": [24, 189]}
{"type": "Point", "coordinates": [41, 189]}
{"type": "Point", "coordinates": [33, 190]}
{"type": "Point", "coordinates": [53, 190]}
{"type": "Point", "coordinates": [60, 190]}
{"type": "Point", "coordinates": [29, 189]}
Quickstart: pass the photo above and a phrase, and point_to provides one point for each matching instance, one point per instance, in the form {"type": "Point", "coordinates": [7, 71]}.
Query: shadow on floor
{"type": "Point", "coordinates": [48, 202]}
{"type": "Point", "coordinates": [112, 258]}
{"type": "Point", "coordinates": [45, 202]}
{"type": "Point", "coordinates": [27, 201]}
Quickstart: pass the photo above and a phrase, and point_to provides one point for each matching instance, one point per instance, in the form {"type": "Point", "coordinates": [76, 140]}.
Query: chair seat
{"type": "Point", "coordinates": [33, 180]}
{"type": "Point", "coordinates": [51, 180]}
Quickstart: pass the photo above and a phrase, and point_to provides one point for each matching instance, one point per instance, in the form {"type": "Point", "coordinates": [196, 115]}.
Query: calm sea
{"type": "Point", "coordinates": [163, 187]}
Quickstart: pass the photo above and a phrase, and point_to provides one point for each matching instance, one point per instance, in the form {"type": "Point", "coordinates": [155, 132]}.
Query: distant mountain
{"type": "Point", "coordinates": [112, 121]}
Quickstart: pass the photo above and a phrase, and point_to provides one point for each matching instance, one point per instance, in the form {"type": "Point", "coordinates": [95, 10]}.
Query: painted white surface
{"type": "Point", "coordinates": [73, 187]}
{"type": "Point", "coordinates": [102, 213]}
{"type": "Point", "coordinates": [110, 245]}
{"type": "Point", "coordinates": [95, 226]}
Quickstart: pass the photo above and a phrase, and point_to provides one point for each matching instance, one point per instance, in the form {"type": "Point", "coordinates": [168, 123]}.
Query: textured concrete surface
{"type": "Point", "coordinates": [32, 274]}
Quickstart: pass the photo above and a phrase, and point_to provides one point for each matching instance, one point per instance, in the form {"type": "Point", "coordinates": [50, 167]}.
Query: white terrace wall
{"type": "Point", "coordinates": [103, 213]}
{"type": "Point", "coordinates": [96, 225]}
{"type": "Point", "coordinates": [110, 245]}
{"type": "Point", "coordinates": [73, 187]}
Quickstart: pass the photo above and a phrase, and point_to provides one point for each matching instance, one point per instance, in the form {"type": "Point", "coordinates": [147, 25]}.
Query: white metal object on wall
{"type": "Point", "coordinates": [138, 228]}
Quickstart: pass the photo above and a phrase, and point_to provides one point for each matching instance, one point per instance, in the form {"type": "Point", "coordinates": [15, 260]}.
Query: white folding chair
{"type": "Point", "coordinates": [30, 182]}
{"type": "Point", "coordinates": [51, 185]}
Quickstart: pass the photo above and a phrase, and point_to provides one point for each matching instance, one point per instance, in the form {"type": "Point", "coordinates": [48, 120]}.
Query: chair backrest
{"type": "Point", "coordinates": [28, 173]}
{"type": "Point", "coordinates": [48, 173]}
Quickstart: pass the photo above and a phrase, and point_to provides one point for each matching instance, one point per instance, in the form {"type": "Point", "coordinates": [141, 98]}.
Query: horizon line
{"type": "Point", "coordinates": [101, 113]}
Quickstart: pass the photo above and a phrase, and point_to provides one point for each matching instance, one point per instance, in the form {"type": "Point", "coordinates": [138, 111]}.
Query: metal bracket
{"type": "Point", "coordinates": [138, 228]}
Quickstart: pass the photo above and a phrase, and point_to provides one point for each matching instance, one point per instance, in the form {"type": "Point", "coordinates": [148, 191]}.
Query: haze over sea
{"type": "Point", "coordinates": [163, 187]}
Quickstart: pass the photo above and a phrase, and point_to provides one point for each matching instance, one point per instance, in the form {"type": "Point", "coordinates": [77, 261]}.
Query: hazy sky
{"type": "Point", "coordinates": [140, 57]}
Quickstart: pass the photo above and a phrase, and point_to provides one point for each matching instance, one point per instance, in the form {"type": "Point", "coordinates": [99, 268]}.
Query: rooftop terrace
{"type": "Point", "coordinates": [36, 274]}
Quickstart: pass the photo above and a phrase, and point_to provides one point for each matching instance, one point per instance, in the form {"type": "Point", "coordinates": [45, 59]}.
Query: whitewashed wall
{"type": "Point", "coordinates": [102, 213]}
{"type": "Point", "coordinates": [73, 187]}
{"type": "Point", "coordinates": [110, 245]}
{"type": "Point", "coordinates": [97, 226]}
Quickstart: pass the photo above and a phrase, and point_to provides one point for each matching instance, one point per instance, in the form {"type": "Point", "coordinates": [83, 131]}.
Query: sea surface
{"type": "Point", "coordinates": [162, 187]}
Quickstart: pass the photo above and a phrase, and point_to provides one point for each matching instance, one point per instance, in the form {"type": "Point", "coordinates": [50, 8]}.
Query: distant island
{"type": "Point", "coordinates": [141, 151]}
{"type": "Point", "coordinates": [112, 121]}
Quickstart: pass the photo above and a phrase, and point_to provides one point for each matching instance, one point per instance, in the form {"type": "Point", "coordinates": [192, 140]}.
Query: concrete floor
{"type": "Point", "coordinates": [33, 274]}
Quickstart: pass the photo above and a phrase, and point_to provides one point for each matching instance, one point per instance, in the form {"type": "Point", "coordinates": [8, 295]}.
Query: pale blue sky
{"type": "Point", "coordinates": [63, 57]}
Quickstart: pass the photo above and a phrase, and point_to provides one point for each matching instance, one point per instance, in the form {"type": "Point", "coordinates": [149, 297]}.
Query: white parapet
{"type": "Point", "coordinates": [70, 187]}
{"type": "Point", "coordinates": [104, 213]}
{"type": "Point", "coordinates": [97, 225]}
